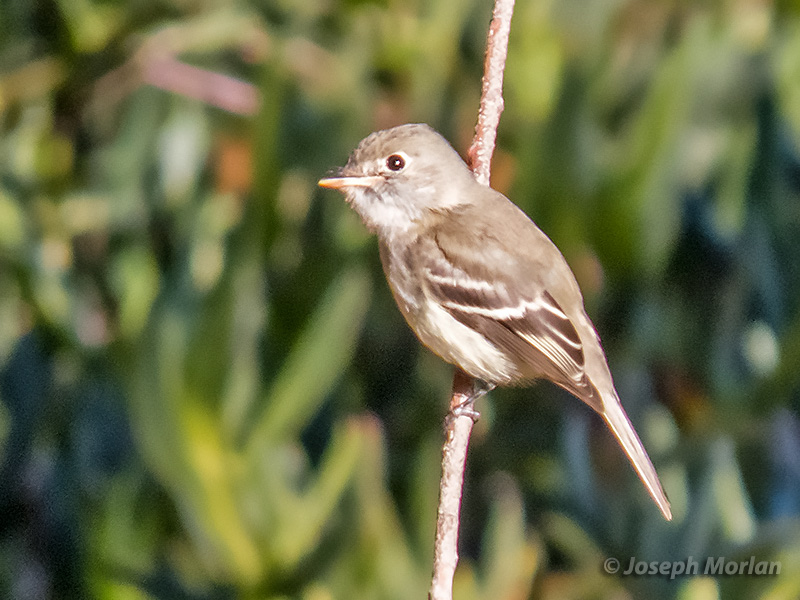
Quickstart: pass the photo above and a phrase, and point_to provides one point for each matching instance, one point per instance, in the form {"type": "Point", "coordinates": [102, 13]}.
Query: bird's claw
{"type": "Point", "coordinates": [465, 409]}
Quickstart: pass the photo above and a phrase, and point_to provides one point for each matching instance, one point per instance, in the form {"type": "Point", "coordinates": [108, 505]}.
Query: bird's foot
{"type": "Point", "coordinates": [466, 408]}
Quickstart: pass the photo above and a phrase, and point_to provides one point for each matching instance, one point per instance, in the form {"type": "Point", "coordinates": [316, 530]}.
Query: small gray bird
{"type": "Point", "coordinates": [479, 283]}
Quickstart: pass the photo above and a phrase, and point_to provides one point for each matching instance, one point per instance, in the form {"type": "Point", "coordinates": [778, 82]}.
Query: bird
{"type": "Point", "coordinates": [477, 280]}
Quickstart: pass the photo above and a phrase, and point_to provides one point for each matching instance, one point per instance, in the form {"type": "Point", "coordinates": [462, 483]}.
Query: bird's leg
{"type": "Point", "coordinates": [466, 391]}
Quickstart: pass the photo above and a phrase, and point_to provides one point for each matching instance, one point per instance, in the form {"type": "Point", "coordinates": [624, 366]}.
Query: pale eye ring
{"type": "Point", "coordinates": [396, 162]}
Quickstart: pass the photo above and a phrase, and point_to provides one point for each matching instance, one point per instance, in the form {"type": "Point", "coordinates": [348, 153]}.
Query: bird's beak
{"type": "Point", "coordinates": [337, 183]}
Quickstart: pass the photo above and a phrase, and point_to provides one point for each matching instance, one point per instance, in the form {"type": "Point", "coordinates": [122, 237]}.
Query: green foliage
{"type": "Point", "coordinates": [205, 388]}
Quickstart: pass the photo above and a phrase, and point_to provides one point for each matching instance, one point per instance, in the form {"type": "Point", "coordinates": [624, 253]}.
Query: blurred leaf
{"type": "Point", "coordinates": [136, 278]}
{"type": "Point", "coordinates": [732, 502]}
{"type": "Point", "coordinates": [12, 223]}
{"type": "Point", "coordinates": [511, 557]}
{"type": "Point", "coordinates": [214, 502]}
{"type": "Point", "coordinates": [304, 522]}
{"type": "Point", "coordinates": [699, 588]}
{"type": "Point", "coordinates": [317, 359]}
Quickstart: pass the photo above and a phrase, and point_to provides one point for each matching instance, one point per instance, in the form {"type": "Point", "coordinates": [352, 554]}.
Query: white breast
{"type": "Point", "coordinates": [437, 329]}
{"type": "Point", "coordinates": [458, 344]}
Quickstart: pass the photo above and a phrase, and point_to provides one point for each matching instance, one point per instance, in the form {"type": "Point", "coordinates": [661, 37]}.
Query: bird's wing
{"type": "Point", "coordinates": [521, 318]}
{"type": "Point", "coordinates": [515, 288]}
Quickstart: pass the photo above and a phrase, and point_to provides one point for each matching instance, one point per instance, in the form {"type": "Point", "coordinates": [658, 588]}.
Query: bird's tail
{"type": "Point", "coordinates": [620, 425]}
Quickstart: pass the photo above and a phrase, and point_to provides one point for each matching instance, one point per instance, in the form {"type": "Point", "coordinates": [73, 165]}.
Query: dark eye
{"type": "Point", "coordinates": [395, 162]}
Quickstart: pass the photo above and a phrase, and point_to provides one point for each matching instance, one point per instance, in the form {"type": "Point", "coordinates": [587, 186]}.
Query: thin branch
{"type": "Point", "coordinates": [165, 71]}
{"type": "Point", "coordinates": [156, 62]}
{"type": "Point", "coordinates": [212, 88]}
{"type": "Point", "coordinates": [459, 428]}
{"type": "Point", "coordinates": [482, 148]}
{"type": "Point", "coordinates": [454, 458]}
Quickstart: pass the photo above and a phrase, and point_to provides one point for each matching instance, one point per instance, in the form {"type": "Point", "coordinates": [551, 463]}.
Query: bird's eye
{"type": "Point", "coordinates": [395, 162]}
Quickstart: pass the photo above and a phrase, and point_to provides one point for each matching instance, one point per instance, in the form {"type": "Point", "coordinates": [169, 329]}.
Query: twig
{"type": "Point", "coordinates": [454, 457]}
{"type": "Point", "coordinates": [212, 88]}
{"type": "Point", "coordinates": [459, 428]}
{"type": "Point", "coordinates": [482, 148]}
{"type": "Point", "coordinates": [156, 62]}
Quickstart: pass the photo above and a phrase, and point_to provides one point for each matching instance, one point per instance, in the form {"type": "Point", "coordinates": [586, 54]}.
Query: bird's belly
{"type": "Point", "coordinates": [439, 330]}
{"type": "Point", "coordinates": [460, 345]}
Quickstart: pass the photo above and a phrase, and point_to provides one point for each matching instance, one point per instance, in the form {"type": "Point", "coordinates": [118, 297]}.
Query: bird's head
{"type": "Point", "coordinates": [397, 177]}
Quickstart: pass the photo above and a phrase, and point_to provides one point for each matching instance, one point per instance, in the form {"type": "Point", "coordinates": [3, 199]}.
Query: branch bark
{"type": "Point", "coordinates": [454, 458]}
{"type": "Point", "coordinates": [482, 148]}
{"type": "Point", "coordinates": [459, 428]}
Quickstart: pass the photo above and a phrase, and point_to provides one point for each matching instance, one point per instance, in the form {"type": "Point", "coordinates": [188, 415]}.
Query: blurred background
{"type": "Point", "coordinates": [206, 391]}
